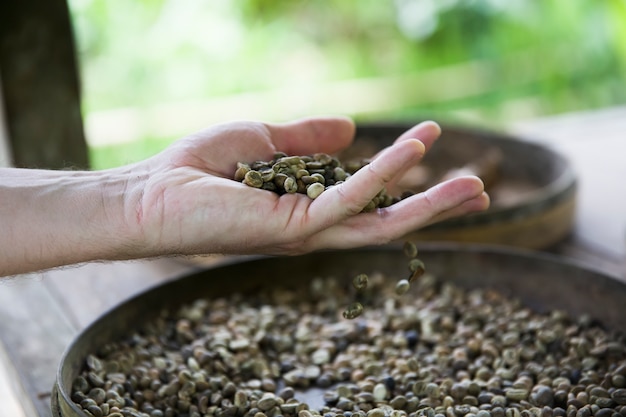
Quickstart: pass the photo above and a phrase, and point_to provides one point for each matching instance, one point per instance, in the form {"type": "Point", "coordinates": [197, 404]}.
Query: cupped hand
{"type": "Point", "coordinates": [189, 203]}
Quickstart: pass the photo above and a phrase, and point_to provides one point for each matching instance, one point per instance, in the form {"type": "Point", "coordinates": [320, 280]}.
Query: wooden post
{"type": "Point", "coordinates": [40, 85]}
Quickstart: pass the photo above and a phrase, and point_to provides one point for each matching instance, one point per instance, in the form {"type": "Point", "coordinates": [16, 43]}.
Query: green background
{"type": "Point", "coordinates": [484, 63]}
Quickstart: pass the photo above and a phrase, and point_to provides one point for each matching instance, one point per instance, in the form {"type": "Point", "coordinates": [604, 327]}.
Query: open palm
{"type": "Point", "coordinates": [191, 205]}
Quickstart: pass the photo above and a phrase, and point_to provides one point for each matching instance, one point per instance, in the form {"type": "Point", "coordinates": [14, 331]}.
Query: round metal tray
{"type": "Point", "coordinates": [533, 196]}
{"type": "Point", "coordinates": [542, 282]}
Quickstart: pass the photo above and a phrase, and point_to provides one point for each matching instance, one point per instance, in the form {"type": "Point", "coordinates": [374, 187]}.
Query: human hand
{"type": "Point", "coordinates": [189, 204]}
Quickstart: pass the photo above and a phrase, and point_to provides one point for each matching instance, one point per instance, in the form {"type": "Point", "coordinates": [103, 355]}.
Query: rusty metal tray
{"type": "Point", "coordinates": [541, 281]}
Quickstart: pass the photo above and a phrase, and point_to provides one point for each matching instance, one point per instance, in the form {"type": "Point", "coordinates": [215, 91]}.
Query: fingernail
{"type": "Point", "coordinates": [434, 124]}
{"type": "Point", "coordinates": [417, 144]}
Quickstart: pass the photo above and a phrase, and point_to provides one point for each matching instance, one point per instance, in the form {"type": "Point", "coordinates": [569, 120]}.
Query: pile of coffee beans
{"type": "Point", "coordinates": [436, 351]}
{"type": "Point", "coordinates": [307, 174]}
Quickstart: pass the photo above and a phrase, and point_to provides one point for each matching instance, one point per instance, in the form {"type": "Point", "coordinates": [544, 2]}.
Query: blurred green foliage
{"type": "Point", "coordinates": [543, 57]}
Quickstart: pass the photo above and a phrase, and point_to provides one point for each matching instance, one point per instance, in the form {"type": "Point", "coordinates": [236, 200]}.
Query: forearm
{"type": "Point", "coordinates": [53, 218]}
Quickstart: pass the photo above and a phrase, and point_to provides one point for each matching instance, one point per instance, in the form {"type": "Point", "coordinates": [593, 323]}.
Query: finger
{"type": "Point", "coordinates": [454, 197]}
{"type": "Point", "coordinates": [311, 135]}
{"type": "Point", "coordinates": [424, 208]}
{"type": "Point", "coordinates": [350, 197]}
{"type": "Point", "coordinates": [427, 132]}
{"type": "Point", "coordinates": [478, 204]}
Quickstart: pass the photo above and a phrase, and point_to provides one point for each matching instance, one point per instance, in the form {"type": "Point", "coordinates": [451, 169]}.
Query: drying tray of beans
{"type": "Point", "coordinates": [447, 330]}
{"type": "Point", "coordinates": [532, 187]}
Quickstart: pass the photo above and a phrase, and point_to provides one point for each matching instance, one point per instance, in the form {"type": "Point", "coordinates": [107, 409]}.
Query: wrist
{"type": "Point", "coordinates": [117, 217]}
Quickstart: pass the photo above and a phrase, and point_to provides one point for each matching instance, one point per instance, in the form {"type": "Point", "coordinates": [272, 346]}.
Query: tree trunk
{"type": "Point", "coordinates": [39, 75]}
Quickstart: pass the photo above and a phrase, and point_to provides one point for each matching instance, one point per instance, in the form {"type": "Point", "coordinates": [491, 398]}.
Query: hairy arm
{"type": "Point", "coordinates": [52, 218]}
{"type": "Point", "coordinates": [183, 200]}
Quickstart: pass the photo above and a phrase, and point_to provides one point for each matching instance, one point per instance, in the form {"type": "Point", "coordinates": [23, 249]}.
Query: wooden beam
{"type": "Point", "coordinates": [40, 85]}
